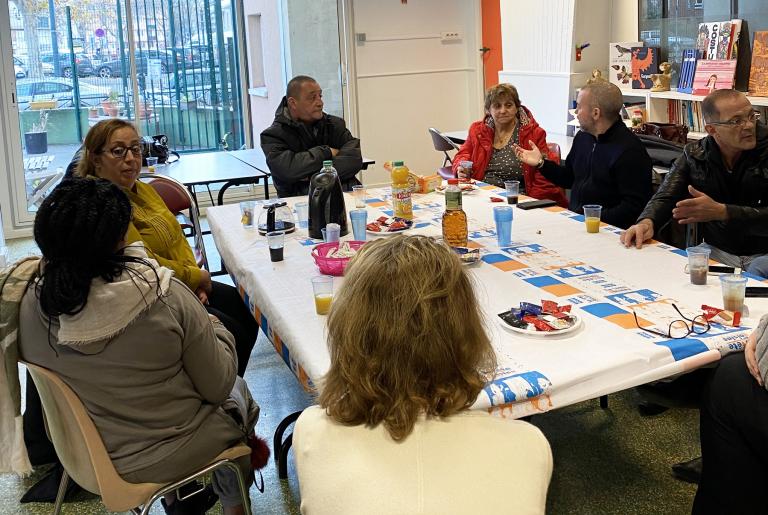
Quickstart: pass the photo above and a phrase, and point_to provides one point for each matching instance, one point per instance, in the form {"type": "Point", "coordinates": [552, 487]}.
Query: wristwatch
{"type": "Point", "coordinates": [541, 162]}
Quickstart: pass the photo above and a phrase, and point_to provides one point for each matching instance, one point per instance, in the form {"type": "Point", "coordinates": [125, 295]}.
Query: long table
{"type": "Point", "coordinates": [551, 257]}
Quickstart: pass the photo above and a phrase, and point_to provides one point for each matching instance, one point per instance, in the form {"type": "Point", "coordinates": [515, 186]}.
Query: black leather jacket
{"type": "Point", "coordinates": [744, 191]}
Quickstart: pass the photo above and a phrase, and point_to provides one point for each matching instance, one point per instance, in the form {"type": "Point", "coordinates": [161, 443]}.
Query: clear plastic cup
{"type": "Point", "coordinates": [276, 243]}
{"type": "Point", "coordinates": [302, 214]}
{"type": "Point", "coordinates": [734, 287]}
{"type": "Point", "coordinates": [332, 232]}
{"type": "Point", "coordinates": [698, 264]}
{"type": "Point", "coordinates": [513, 190]}
{"type": "Point", "coordinates": [322, 288]}
{"type": "Point", "coordinates": [503, 215]}
{"type": "Point", "coordinates": [592, 217]}
{"type": "Point", "coordinates": [151, 163]}
{"type": "Point", "coordinates": [248, 213]}
{"type": "Point", "coordinates": [358, 192]}
{"type": "Point", "coordinates": [359, 219]}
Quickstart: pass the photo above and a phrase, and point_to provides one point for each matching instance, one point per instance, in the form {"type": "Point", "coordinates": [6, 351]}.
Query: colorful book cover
{"type": "Point", "coordinates": [723, 49]}
{"type": "Point", "coordinates": [619, 62]}
{"type": "Point", "coordinates": [758, 75]}
{"type": "Point", "coordinates": [712, 74]}
{"type": "Point", "coordinates": [687, 70]}
{"type": "Point", "coordinates": [645, 62]}
{"type": "Point", "coordinates": [735, 35]}
{"type": "Point", "coordinates": [706, 41]}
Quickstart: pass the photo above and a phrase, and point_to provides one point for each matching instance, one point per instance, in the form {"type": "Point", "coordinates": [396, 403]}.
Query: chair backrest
{"type": "Point", "coordinates": [554, 153]}
{"type": "Point", "coordinates": [177, 199]}
{"type": "Point", "coordinates": [444, 145]}
{"type": "Point", "coordinates": [79, 445]}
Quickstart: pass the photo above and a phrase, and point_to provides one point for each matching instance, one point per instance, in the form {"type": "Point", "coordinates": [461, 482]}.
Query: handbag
{"type": "Point", "coordinates": [157, 146]}
{"type": "Point", "coordinates": [674, 132]}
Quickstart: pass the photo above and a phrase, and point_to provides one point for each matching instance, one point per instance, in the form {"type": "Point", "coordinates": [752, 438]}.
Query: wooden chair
{"type": "Point", "coordinates": [444, 145]}
{"type": "Point", "coordinates": [85, 459]}
{"type": "Point", "coordinates": [178, 199]}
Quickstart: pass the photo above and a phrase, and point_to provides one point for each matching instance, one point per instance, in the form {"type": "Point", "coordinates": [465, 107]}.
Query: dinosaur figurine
{"type": "Point", "coordinates": [661, 80]}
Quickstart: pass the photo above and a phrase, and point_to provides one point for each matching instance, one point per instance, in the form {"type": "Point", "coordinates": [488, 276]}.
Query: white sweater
{"type": "Point", "coordinates": [472, 462]}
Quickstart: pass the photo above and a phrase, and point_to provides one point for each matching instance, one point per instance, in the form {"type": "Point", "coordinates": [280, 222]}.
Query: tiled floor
{"type": "Point", "coordinates": [606, 461]}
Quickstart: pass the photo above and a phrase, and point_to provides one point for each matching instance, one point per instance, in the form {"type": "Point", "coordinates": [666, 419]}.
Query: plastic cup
{"type": "Point", "coordinates": [322, 288]}
{"type": "Point", "coordinates": [592, 217]}
{"type": "Point", "coordinates": [359, 219]}
{"type": "Point", "coordinates": [698, 264]}
{"type": "Point", "coordinates": [247, 213]}
{"type": "Point", "coordinates": [302, 214]}
{"type": "Point", "coordinates": [332, 232]}
{"type": "Point", "coordinates": [502, 215]}
{"type": "Point", "coordinates": [325, 234]}
{"type": "Point", "coordinates": [734, 286]}
{"type": "Point", "coordinates": [358, 192]}
{"type": "Point", "coordinates": [276, 242]}
{"type": "Point", "coordinates": [151, 163]}
{"type": "Point", "coordinates": [513, 190]}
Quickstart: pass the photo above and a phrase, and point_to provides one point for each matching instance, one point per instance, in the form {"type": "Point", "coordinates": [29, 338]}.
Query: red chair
{"type": "Point", "coordinates": [554, 153]}
{"type": "Point", "coordinates": [177, 199]}
{"type": "Point", "coordinates": [444, 145]}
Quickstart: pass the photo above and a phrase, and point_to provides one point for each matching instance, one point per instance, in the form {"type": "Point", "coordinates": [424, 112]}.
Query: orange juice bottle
{"type": "Point", "coordinates": [402, 204]}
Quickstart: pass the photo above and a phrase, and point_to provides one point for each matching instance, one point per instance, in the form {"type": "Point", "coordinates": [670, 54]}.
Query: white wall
{"type": "Point", "coordinates": [624, 20]}
{"type": "Point", "coordinates": [408, 80]}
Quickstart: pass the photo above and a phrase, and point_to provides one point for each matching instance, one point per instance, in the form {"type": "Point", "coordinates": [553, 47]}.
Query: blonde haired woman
{"type": "Point", "coordinates": [393, 432]}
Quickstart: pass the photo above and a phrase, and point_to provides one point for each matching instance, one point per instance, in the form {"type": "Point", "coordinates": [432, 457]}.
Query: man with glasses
{"type": "Point", "coordinates": [720, 183]}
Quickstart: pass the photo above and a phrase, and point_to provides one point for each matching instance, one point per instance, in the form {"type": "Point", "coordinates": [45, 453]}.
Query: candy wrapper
{"type": "Point", "coordinates": [721, 316]}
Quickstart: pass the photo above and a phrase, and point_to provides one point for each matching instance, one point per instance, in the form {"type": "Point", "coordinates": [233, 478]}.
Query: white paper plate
{"type": "Point", "coordinates": [540, 334]}
{"type": "Point", "coordinates": [388, 233]}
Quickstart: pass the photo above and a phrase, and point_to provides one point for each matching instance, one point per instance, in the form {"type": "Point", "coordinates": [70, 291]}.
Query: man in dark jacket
{"type": "Point", "coordinates": [721, 183]}
{"type": "Point", "coordinates": [303, 136]}
{"type": "Point", "coordinates": [607, 164]}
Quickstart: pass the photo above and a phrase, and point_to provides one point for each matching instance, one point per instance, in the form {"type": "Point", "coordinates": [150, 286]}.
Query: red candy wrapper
{"type": "Point", "coordinates": [538, 323]}
{"type": "Point", "coordinates": [551, 308]}
{"type": "Point", "coordinates": [721, 316]}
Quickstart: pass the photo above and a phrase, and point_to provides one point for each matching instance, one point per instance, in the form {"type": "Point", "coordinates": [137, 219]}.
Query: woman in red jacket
{"type": "Point", "coordinates": [489, 146]}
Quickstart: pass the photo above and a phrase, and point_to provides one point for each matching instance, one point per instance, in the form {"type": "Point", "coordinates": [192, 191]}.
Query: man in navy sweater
{"type": "Point", "coordinates": [607, 164]}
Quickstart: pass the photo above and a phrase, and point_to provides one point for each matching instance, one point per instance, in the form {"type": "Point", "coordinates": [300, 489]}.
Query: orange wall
{"type": "Point", "coordinates": [491, 13]}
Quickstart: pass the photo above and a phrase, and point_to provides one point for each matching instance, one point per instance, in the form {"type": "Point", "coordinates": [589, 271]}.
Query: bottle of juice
{"type": "Point", "coordinates": [454, 217]}
{"type": "Point", "coordinates": [401, 191]}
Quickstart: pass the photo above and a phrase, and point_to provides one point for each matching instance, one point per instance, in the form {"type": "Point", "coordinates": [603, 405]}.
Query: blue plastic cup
{"type": "Point", "coordinates": [502, 215]}
{"type": "Point", "coordinates": [359, 219]}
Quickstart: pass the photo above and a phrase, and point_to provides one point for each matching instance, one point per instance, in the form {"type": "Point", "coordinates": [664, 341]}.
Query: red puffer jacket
{"type": "Point", "coordinates": [479, 147]}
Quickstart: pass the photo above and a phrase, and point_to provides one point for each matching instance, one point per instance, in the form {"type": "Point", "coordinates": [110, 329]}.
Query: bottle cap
{"type": "Point", "coordinates": [327, 162]}
{"type": "Point", "coordinates": [397, 163]}
{"type": "Point", "coordinates": [453, 181]}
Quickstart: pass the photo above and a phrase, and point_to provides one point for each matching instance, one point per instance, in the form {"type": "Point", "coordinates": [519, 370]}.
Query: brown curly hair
{"type": "Point", "coordinates": [405, 336]}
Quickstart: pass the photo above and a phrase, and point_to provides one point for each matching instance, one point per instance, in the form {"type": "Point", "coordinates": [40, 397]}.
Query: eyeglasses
{"type": "Point", "coordinates": [119, 152]}
{"type": "Point", "coordinates": [753, 117]}
{"type": "Point", "coordinates": [680, 328]}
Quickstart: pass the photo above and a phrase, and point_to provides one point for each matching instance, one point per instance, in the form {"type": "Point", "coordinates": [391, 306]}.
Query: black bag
{"type": "Point", "coordinates": [157, 146]}
{"type": "Point", "coordinates": [674, 132]}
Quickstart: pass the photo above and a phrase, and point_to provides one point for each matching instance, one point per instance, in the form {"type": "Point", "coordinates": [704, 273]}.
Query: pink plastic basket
{"type": "Point", "coordinates": [332, 266]}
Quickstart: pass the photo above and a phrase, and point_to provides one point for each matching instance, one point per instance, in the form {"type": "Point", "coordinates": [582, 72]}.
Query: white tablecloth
{"type": "Point", "coordinates": [551, 257]}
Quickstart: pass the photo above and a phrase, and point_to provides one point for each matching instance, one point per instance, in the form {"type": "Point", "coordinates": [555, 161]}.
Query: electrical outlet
{"type": "Point", "coordinates": [450, 36]}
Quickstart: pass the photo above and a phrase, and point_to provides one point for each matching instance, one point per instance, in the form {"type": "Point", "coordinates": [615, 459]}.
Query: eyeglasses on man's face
{"type": "Point", "coordinates": [740, 121]}
{"type": "Point", "coordinates": [120, 152]}
{"type": "Point", "coordinates": [680, 328]}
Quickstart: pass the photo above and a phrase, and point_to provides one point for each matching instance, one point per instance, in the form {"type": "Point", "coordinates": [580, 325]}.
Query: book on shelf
{"type": "Point", "coordinates": [712, 74]}
{"type": "Point", "coordinates": [718, 39]}
{"type": "Point", "coordinates": [619, 62]}
{"type": "Point", "coordinates": [758, 73]}
{"type": "Point", "coordinates": [645, 62]}
{"type": "Point", "coordinates": [687, 70]}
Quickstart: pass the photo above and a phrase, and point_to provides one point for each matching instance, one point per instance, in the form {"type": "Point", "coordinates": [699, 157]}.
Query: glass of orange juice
{"type": "Point", "coordinates": [322, 287]}
{"type": "Point", "coordinates": [592, 217]}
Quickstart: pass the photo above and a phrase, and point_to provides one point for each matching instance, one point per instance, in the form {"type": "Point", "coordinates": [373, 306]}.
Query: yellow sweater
{"type": "Point", "coordinates": [155, 225]}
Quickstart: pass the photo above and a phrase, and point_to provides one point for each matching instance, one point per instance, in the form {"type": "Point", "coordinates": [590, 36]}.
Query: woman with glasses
{"type": "Point", "coordinates": [393, 432]}
{"type": "Point", "coordinates": [112, 151]}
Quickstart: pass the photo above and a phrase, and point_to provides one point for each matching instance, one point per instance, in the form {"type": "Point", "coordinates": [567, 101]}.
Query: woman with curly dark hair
{"type": "Point", "coordinates": [156, 373]}
{"type": "Point", "coordinates": [393, 432]}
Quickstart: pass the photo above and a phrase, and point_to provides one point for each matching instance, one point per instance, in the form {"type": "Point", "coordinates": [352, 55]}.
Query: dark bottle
{"type": "Point", "coordinates": [326, 201]}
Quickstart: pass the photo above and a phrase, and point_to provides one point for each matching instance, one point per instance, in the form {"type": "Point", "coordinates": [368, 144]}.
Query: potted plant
{"type": "Point", "coordinates": [36, 139]}
{"type": "Point", "coordinates": [93, 112]}
{"type": "Point", "coordinates": [110, 104]}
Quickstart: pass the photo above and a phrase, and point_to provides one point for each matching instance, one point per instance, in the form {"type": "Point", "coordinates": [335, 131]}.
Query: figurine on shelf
{"type": "Point", "coordinates": [661, 80]}
{"type": "Point", "coordinates": [597, 76]}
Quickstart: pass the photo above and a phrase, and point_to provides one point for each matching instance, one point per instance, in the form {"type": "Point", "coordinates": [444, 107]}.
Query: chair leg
{"type": "Point", "coordinates": [61, 493]}
{"type": "Point", "coordinates": [282, 463]}
{"type": "Point", "coordinates": [244, 491]}
{"type": "Point", "coordinates": [604, 401]}
{"type": "Point", "coordinates": [277, 441]}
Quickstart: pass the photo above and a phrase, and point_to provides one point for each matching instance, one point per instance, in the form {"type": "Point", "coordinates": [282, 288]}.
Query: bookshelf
{"type": "Point", "coordinates": [657, 105]}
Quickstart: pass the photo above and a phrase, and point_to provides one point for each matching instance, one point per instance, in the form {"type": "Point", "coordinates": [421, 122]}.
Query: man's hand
{"type": "Point", "coordinates": [205, 286]}
{"type": "Point", "coordinates": [530, 157]}
{"type": "Point", "coordinates": [700, 208]}
{"type": "Point", "coordinates": [334, 152]}
{"type": "Point", "coordinates": [639, 233]}
{"type": "Point", "coordinates": [751, 358]}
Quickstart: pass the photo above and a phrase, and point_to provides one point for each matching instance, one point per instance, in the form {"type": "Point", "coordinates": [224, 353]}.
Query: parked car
{"type": "Point", "coordinates": [19, 68]}
{"type": "Point", "coordinates": [82, 61]}
{"type": "Point", "coordinates": [114, 67]}
{"type": "Point", "coordinates": [59, 89]}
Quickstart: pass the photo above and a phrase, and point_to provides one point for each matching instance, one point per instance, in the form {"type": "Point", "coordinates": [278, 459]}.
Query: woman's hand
{"type": "Point", "coordinates": [462, 173]}
{"type": "Point", "coordinates": [530, 157]}
{"type": "Point", "coordinates": [205, 287]}
{"type": "Point", "coordinates": [751, 357]}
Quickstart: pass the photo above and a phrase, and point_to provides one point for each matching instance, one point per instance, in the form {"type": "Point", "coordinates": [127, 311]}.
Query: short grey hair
{"type": "Point", "coordinates": [294, 85]}
{"type": "Point", "coordinates": [607, 97]}
{"type": "Point", "coordinates": [709, 105]}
